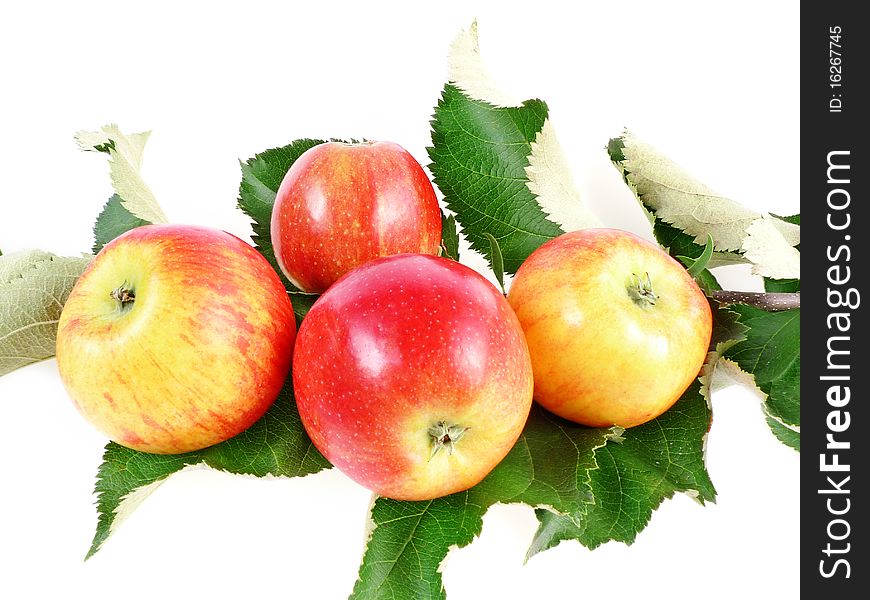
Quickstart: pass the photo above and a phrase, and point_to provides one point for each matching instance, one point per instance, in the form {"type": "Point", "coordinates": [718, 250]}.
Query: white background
{"type": "Point", "coordinates": [714, 86]}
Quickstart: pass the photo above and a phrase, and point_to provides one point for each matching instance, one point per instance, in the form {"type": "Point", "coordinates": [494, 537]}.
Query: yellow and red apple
{"type": "Point", "coordinates": [617, 329]}
{"type": "Point", "coordinates": [175, 338]}
{"type": "Point", "coordinates": [412, 376]}
{"type": "Point", "coordinates": [341, 205]}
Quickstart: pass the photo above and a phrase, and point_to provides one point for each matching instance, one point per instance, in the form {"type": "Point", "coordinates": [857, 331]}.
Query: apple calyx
{"type": "Point", "coordinates": [445, 435]}
{"type": "Point", "coordinates": [124, 296]}
{"type": "Point", "coordinates": [640, 290]}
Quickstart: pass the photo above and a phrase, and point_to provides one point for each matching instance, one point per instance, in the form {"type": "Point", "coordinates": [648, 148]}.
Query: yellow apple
{"type": "Point", "coordinates": [175, 338]}
{"type": "Point", "coordinates": [616, 328]}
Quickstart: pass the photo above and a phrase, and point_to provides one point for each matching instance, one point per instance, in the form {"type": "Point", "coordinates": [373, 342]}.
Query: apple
{"type": "Point", "coordinates": [175, 338]}
{"type": "Point", "coordinates": [341, 205]}
{"type": "Point", "coordinates": [616, 328]}
{"type": "Point", "coordinates": [412, 376]}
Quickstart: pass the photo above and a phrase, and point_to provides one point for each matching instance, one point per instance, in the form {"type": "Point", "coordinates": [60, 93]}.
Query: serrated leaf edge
{"type": "Point", "coordinates": [771, 255]}
{"type": "Point", "coordinates": [126, 506]}
{"type": "Point", "coordinates": [33, 268]}
{"type": "Point", "coordinates": [779, 235]}
{"type": "Point", "coordinates": [466, 70]}
{"type": "Point", "coordinates": [737, 375]}
{"type": "Point", "coordinates": [615, 436]}
{"type": "Point", "coordinates": [551, 183]}
{"type": "Point", "coordinates": [125, 152]}
{"type": "Point", "coordinates": [549, 178]}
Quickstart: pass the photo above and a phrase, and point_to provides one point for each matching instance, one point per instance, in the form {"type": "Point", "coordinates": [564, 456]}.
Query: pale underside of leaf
{"type": "Point", "coordinates": [125, 162]}
{"type": "Point", "coordinates": [550, 180]}
{"type": "Point", "coordinates": [679, 199]}
{"type": "Point", "coordinates": [466, 70]}
{"type": "Point", "coordinates": [34, 286]}
{"type": "Point", "coordinates": [549, 177]}
{"type": "Point", "coordinates": [768, 250]}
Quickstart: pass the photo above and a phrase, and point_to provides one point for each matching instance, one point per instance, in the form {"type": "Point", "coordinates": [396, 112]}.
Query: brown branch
{"type": "Point", "coordinates": [772, 301]}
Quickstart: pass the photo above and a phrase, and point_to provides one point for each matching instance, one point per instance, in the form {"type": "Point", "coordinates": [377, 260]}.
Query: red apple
{"type": "Point", "coordinates": [617, 329]}
{"type": "Point", "coordinates": [412, 376]}
{"type": "Point", "coordinates": [342, 205]}
{"type": "Point", "coordinates": [175, 338]}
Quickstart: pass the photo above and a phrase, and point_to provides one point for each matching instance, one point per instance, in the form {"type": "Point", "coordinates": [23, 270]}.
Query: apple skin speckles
{"type": "Point", "coordinates": [341, 205]}
{"type": "Point", "coordinates": [398, 346]}
{"type": "Point", "coordinates": [602, 353]}
{"type": "Point", "coordinates": [197, 357]}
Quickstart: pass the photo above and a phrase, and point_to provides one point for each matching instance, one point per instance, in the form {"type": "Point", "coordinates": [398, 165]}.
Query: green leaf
{"type": "Point", "coordinates": [125, 162]}
{"type": "Point", "coordinates": [654, 461]}
{"type": "Point", "coordinates": [793, 219]}
{"type": "Point", "coordinates": [275, 445]}
{"type": "Point", "coordinates": [785, 434]}
{"type": "Point", "coordinates": [679, 244]}
{"type": "Point", "coordinates": [499, 164]}
{"type": "Point", "coordinates": [648, 465]}
{"type": "Point", "coordinates": [449, 237]}
{"type": "Point", "coordinates": [114, 220]}
{"type": "Point", "coordinates": [678, 435]}
{"type": "Point", "coordinates": [673, 240]}
{"type": "Point", "coordinates": [696, 266]}
{"type": "Point", "coordinates": [782, 285]}
{"type": "Point", "coordinates": [549, 466]}
{"type": "Point", "coordinates": [770, 353]}
{"type": "Point", "coordinates": [727, 329]}
{"type": "Point", "coordinates": [707, 282]}
{"type": "Point", "coordinates": [479, 156]}
{"type": "Point", "coordinates": [261, 177]}
{"type": "Point", "coordinates": [496, 260]}
{"type": "Point", "coordinates": [34, 286]}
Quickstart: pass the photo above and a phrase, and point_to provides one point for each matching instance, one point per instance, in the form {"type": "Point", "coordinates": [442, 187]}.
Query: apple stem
{"type": "Point", "coordinates": [445, 435]}
{"type": "Point", "coordinates": [124, 296]}
{"type": "Point", "coordinates": [769, 301]}
{"type": "Point", "coordinates": [640, 290]}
